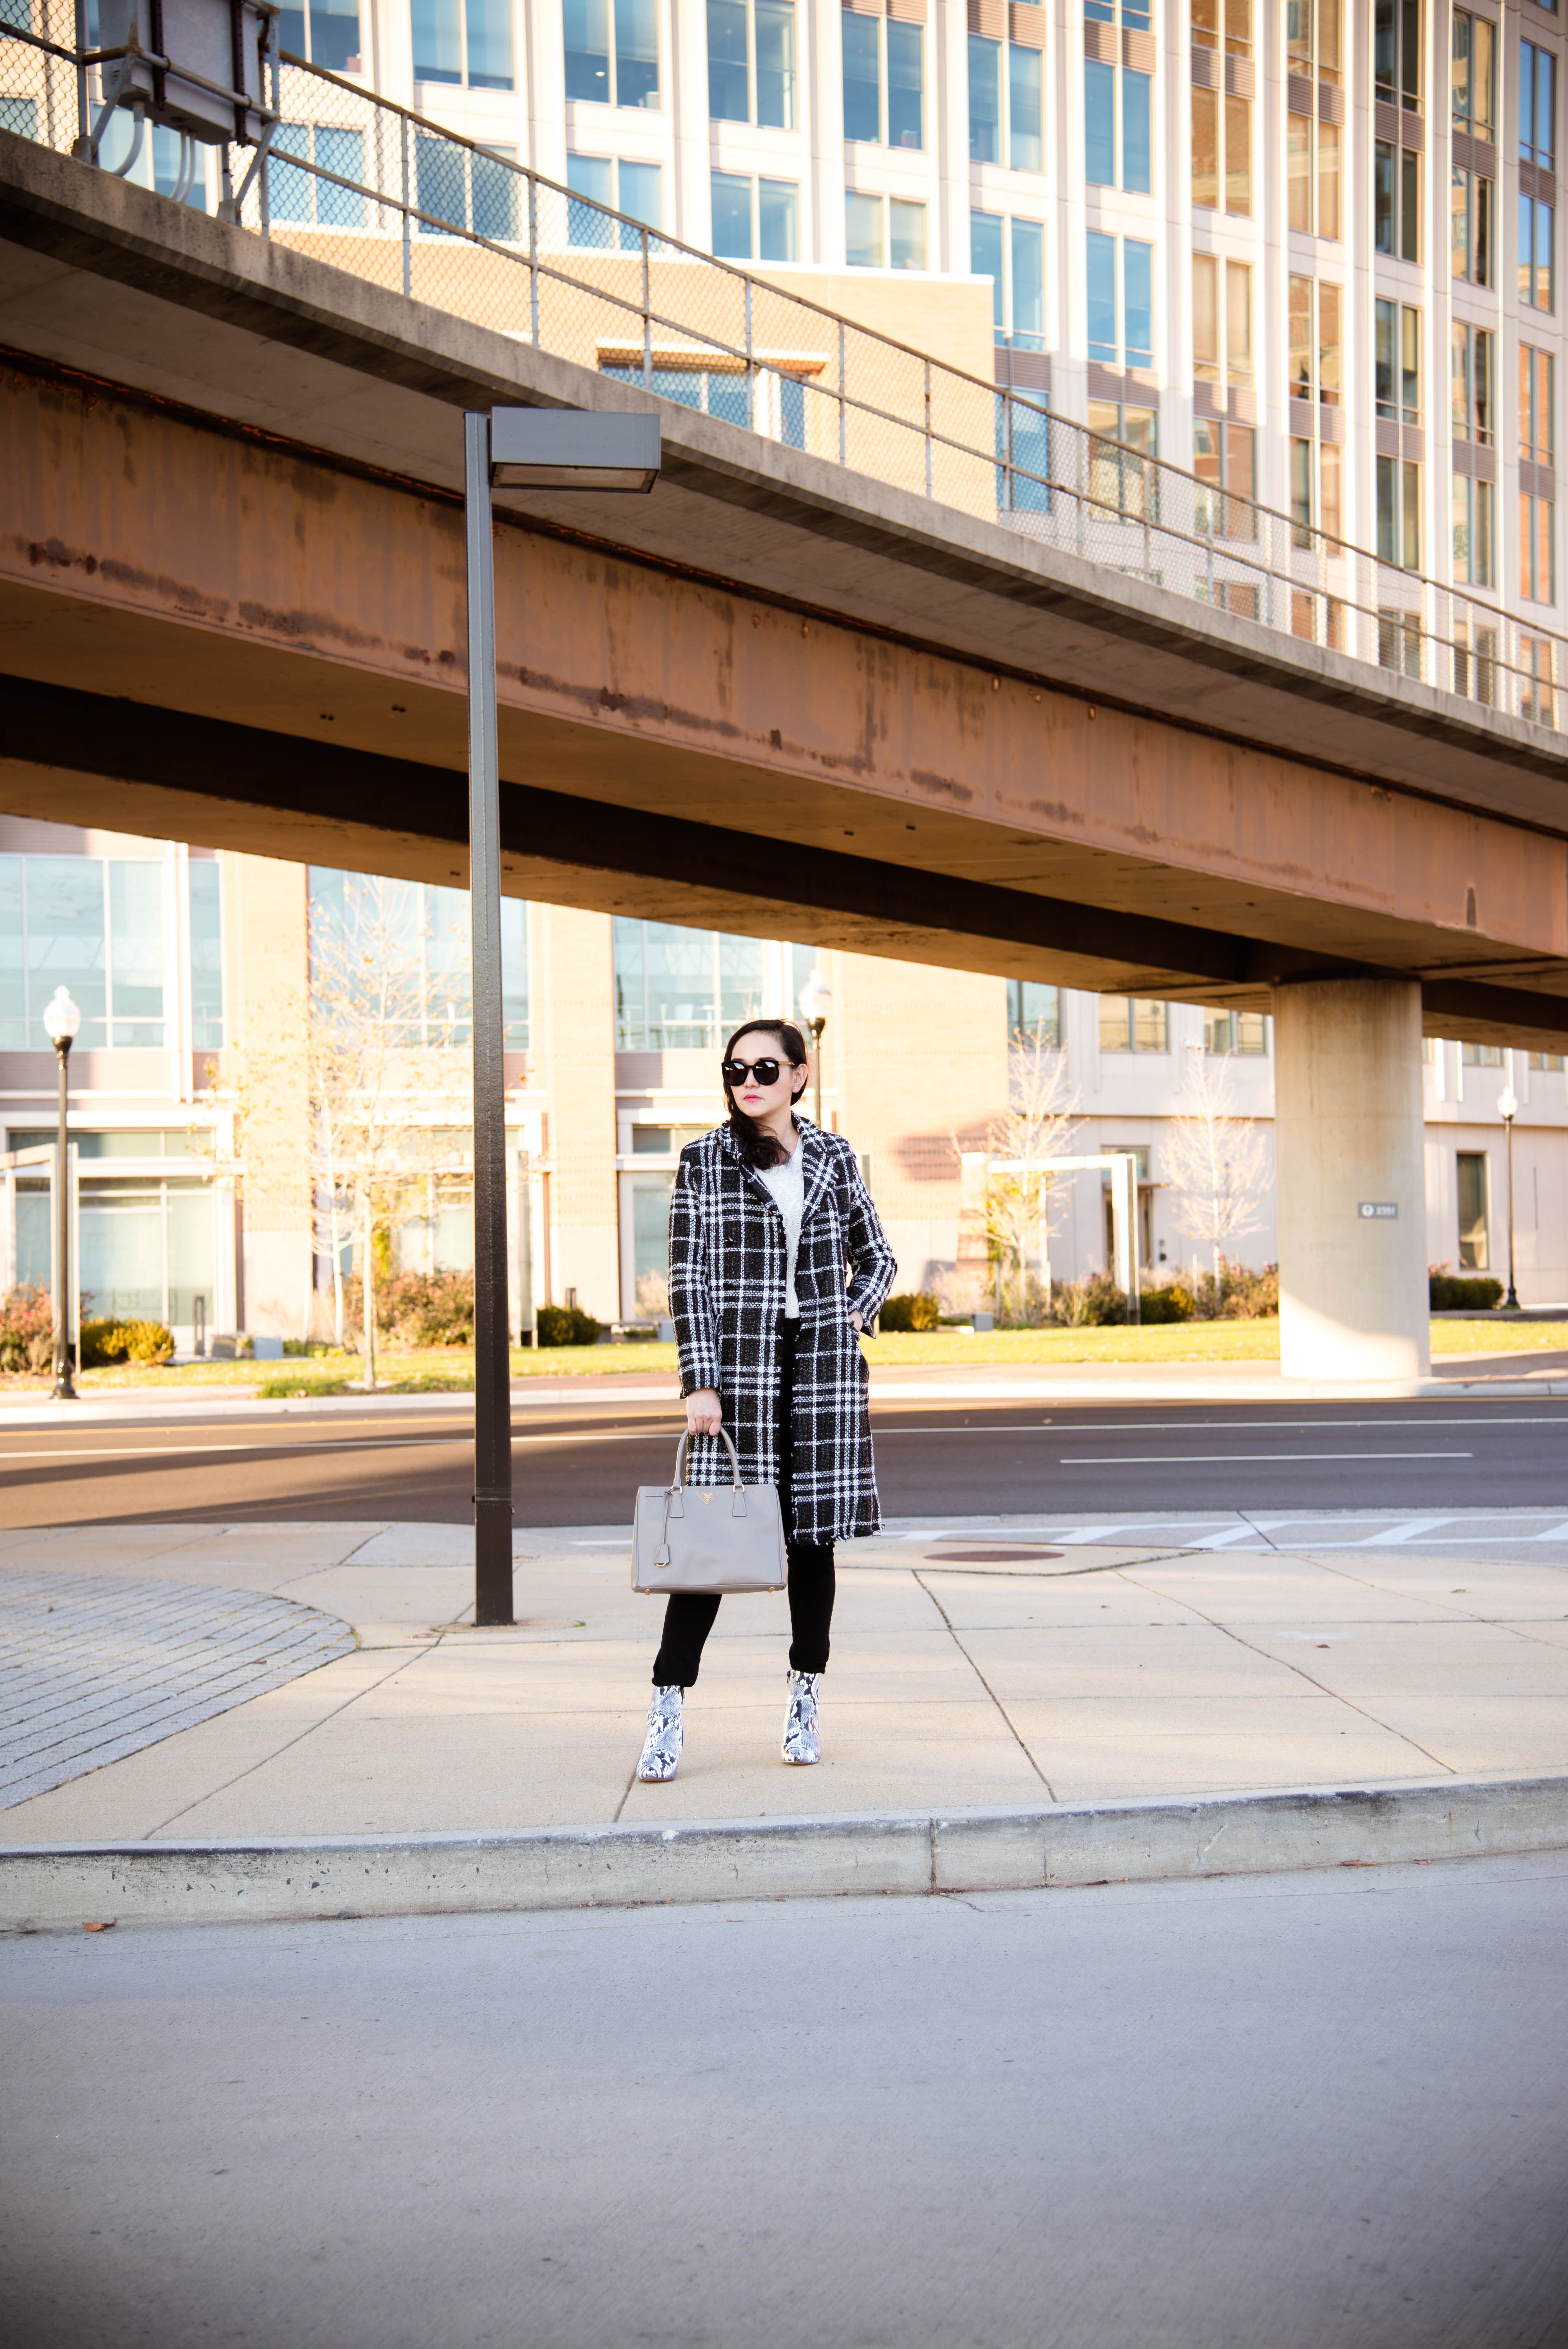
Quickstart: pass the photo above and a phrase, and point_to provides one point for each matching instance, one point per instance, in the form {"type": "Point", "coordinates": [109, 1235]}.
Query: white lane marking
{"type": "Point", "coordinates": [333, 1444]}
{"type": "Point", "coordinates": [1185, 1459]}
{"type": "Point", "coordinates": [1284, 1417]}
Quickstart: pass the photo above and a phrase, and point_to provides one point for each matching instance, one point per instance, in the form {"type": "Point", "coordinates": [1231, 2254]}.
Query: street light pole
{"type": "Point", "coordinates": [551, 449]}
{"type": "Point", "coordinates": [62, 1020]}
{"type": "Point", "coordinates": [492, 1364]}
{"type": "Point", "coordinates": [815, 1002]}
{"type": "Point", "coordinates": [1508, 1110]}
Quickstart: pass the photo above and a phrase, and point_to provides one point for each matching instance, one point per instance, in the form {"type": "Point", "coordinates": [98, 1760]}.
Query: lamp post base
{"type": "Point", "coordinates": [492, 1563]}
{"type": "Point", "coordinates": [63, 1390]}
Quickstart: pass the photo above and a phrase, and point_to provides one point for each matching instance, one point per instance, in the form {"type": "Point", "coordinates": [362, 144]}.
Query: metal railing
{"type": "Point", "coordinates": [381, 191]}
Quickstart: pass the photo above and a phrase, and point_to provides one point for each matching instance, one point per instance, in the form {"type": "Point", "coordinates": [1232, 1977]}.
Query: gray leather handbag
{"type": "Point", "coordinates": [708, 1537]}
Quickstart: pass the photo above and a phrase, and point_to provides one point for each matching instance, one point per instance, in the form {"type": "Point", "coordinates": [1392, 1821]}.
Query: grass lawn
{"type": "Point", "coordinates": [438, 1369]}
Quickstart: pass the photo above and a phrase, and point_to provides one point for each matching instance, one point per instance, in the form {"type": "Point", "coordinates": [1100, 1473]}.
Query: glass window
{"type": "Point", "coordinates": [1138, 302]}
{"type": "Point", "coordinates": [1470, 396]}
{"type": "Point", "coordinates": [732, 216]}
{"type": "Point", "coordinates": [586, 27]}
{"type": "Point", "coordinates": [1025, 121]}
{"type": "Point", "coordinates": [905, 85]}
{"type": "Point", "coordinates": [683, 990]}
{"type": "Point", "coordinates": [326, 33]}
{"type": "Point", "coordinates": [611, 48]}
{"type": "Point", "coordinates": [637, 52]}
{"type": "Point", "coordinates": [1537, 106]}
{"type": "Point", "coordinates": [1104, 342]}
{"type": "Point", "coordinates": [1472, 531]}
{"type": "Point", "coordinates": [1470, 1171]}
{"type": "Point", "coordinates": [1537, 548]}
{"type": "Point", "coordinates": [906, 233]}
{"type": "Point", "coordinates": [728, 61]}
{"type": "Point", "coordinates": [587, 228]}
{"type": "Point", "coordinates": [642, 193]}
{"type": "Point", "coordinates": [1099, 122]}
{"type": "Point", "coordinates": [1034, 1015]}
{"type": "Point", "coordinates": [1537, 290]}
{"type": "Point", "coordinates": [775, 65]}
{"type": "Point", "coordinates": [471, 41]}
{"type": "Point", "coordinates": [984, 100]}
{"type": "Point", "coordinates": [986, 233]}
{"type": "Point", "coordinates": [778, 220]}
{"type": "Point", "coordinates": [1118, 132]}
{"type": "Point", "coordinates": [1396, 365]}
{"type": "Point", "coordinates": [864, 243]}
{"type": "Point", "coordinates": [751, 62]}
{"type": "Point", "coordinates": [1027, 286]}
{"type": "Point", "coordinates": [1472, 84]}
{"type": "Point", "coordinates": [1245, 1033]}
{"type": "Point", "coordinates": [1132, 1025]}
{"type": "Point", "coordinates": [99, 927]}
{"type": "Point", "coordinates": [1537, 440]}
{"type": "Point", "coordinates": [862, 76]}
{"type": "Point", "coordinates": [1396, 52]}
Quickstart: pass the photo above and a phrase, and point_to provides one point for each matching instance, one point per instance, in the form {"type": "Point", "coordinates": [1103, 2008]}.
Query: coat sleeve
{"type": "Point", "coordinates": [691, 1301]}
{"type": "Point", "coordinates": [872, 1265]}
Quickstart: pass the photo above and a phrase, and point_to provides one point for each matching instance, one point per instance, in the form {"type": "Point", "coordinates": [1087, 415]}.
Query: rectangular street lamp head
{"type": "Point", "coordinates": [573, 449]}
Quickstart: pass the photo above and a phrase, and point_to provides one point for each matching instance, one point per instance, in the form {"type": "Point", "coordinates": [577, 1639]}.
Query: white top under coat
{"type": "Point", "coordinates": [787, 1185]}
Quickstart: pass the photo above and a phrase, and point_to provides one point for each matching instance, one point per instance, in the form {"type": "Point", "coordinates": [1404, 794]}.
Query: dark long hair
{"type": "Point", "coordinates": [757, 1147]}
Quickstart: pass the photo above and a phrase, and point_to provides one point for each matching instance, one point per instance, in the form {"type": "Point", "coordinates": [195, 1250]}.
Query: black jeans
{"type": "Point", "coordinates": [688, 1619]}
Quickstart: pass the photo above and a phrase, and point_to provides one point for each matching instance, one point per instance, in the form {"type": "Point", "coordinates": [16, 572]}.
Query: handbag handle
{"type": "Point", "coordinates": [674, 1506]}
{"type": "Point", "coordinates": [680, 1459]}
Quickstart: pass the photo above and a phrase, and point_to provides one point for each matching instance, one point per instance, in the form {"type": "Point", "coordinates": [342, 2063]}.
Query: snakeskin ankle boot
{"type": "Point", "coordinates": [661, 1746]}
{"type": "Point", "coordinates": [801, 1743]}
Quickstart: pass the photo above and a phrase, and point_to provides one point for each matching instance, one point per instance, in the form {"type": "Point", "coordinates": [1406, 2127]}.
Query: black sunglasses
{"type": "Point", "coordinates": [735, 1072]}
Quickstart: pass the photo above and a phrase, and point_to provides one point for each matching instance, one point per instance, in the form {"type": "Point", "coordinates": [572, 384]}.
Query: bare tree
{"type": "Point", "coordinates": [1038, 1125]}
{"type": "Point", "coordinates": [1216, 1161]}
{"type": "Point", "coordinates": [388, 1079]}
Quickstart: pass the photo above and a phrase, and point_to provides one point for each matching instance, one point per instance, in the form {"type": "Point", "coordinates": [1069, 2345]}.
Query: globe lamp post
{"type": "Point", "coordinates": [62, 1018]}
{"type": "Point", "coordinates": [1508, 1110]}
{"type": "Point", "coordinates": [815, 1002]}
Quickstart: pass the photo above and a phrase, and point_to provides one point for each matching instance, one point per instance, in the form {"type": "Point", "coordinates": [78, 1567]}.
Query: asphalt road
{"type": "Point", "coordinates": [580, 1465]}
{"type": "Point", "coordinates": [1307, 2112]}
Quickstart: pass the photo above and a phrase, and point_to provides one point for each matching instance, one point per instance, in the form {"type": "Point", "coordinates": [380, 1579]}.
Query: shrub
{"type": "Point", "coordinates": [1449, 1292]}
{"type": "Point", "coordinates": [566, 1324]}
{"type": "Point", "coordinates": [429, 1308]}
{"type": "Point", "coordinates": [1096, 1302]}
{"type": "Point", "coordinates": [28, 1328]}
{"type": "Point", "coordinates": [104, 1343]}
{"type": "Point", "coordinates": [1243, 1295]}
{"type": "Point", "coordinates": [917, 1309]}
{"type": "Point", "coordinates": [1167, 1301]}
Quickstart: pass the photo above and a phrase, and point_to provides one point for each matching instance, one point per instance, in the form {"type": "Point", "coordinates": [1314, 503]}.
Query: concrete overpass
{"type": "Point", "coordinates": [777, 697]}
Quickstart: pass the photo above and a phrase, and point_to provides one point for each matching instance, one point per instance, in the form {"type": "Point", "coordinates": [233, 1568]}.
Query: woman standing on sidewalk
{"type": "Point", "coordinates": [768, 1219]}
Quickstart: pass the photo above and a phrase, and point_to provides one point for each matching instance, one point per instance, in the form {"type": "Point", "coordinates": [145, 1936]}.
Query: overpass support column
{"type": "Point", "coordinates": [1348, 1135]}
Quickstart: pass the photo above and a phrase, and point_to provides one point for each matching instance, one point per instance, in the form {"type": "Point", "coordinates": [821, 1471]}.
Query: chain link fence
{"type": "Point", "coordinates": [382, 193]}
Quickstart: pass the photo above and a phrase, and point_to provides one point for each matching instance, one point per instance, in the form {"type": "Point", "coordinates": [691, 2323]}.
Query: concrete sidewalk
{"type": "Point", "coordinates": [1086, 1661]}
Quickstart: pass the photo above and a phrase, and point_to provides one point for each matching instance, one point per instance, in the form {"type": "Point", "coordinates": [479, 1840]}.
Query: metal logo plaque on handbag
{"type": "Point", "coordinates": [708, 1538]}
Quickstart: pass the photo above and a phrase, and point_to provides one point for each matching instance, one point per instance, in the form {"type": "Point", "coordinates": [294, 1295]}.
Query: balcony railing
{"type": "Point", "coordinates": [395, 198]}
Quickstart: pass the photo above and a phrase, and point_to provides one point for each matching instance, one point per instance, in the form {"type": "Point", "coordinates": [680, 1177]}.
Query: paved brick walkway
{"type": "Point", "coordinates": [95, 1667]}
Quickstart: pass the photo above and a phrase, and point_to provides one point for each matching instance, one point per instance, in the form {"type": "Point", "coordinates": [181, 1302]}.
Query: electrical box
{"type": "Point", "coordinates": [195, 66]}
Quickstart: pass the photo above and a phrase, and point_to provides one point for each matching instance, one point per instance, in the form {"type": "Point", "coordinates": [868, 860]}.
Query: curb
{"type": "Point", "coordinates": [53, 1887]}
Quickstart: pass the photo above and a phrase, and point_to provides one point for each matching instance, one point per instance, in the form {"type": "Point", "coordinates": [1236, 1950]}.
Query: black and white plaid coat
{"type": "Point", "coordinates": [729, 1267]}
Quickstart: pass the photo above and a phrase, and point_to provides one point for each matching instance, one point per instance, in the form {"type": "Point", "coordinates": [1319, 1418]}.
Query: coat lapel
{"type": "Point", "coordinates": [818, 1170]}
